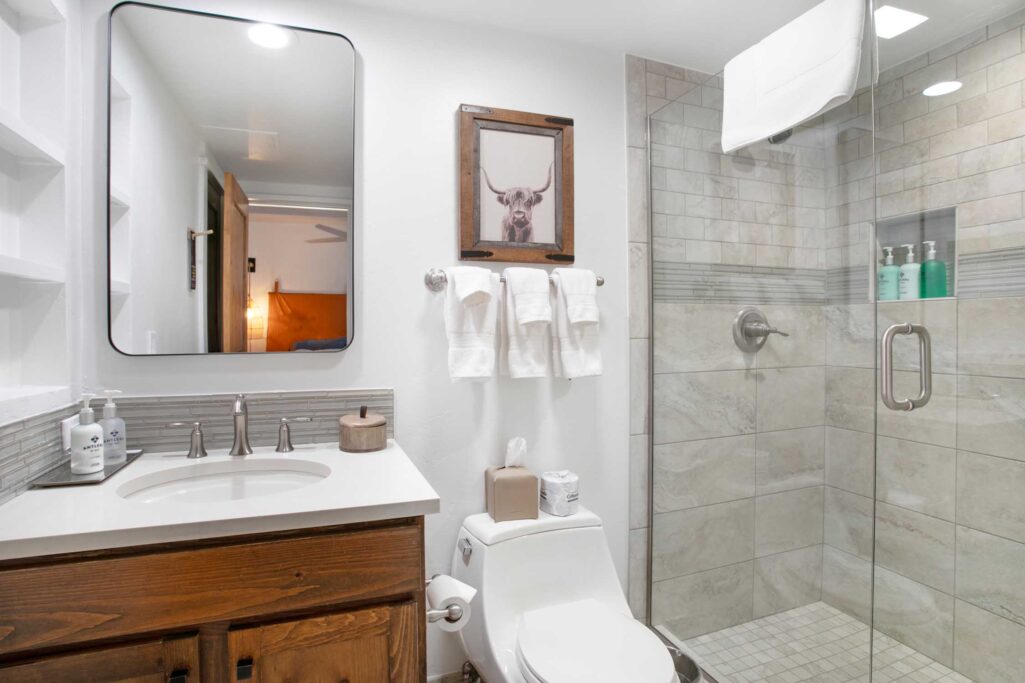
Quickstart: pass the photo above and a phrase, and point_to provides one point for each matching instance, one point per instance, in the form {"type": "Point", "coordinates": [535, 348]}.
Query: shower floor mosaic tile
{"type": "Point", "coordinates": [815, 642]}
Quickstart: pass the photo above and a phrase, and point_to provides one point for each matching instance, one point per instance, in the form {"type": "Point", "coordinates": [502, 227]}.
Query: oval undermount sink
{"type": "Point", "coordinates": [219, 482]}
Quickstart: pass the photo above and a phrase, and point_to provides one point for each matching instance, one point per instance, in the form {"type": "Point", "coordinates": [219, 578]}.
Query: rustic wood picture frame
{"type": "Point", "coordinates": [472, 119]}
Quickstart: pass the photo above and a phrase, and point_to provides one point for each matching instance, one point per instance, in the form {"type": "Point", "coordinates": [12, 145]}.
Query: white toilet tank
{"type": "Point", "coordinates": [525, 565]}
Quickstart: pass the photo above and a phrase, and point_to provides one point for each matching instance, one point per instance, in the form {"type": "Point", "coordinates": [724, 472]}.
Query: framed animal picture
{"type": "Point", "coordinates": [515, 186]}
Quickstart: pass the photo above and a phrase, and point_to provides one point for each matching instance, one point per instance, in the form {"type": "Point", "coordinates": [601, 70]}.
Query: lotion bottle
{"type": "Point", "coordinates": [114, 434]}
{"type": "Point", "coordinates": [86, 441]}
{"type": "Point", "coordinates": [910, 276]}
{"type": "Point", "coordinates": [889, 278]}
{"type": "Point", "coordinates": [934, 273]}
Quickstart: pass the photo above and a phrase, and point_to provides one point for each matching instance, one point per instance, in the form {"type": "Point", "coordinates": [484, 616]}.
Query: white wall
{"type": "Point", "coordinates": [412, 77]}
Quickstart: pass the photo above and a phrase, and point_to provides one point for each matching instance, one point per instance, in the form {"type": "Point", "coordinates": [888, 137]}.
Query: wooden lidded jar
{"type": "Point", "coordinates": [362, 433]}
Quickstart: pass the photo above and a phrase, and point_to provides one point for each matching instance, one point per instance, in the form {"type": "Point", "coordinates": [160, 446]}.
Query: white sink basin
{"type": "Point", "coordinates": [219, 482]}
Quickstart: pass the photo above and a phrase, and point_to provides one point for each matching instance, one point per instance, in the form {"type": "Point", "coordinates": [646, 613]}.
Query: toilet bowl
{"type": "Point", "coordinates": [549, 606]}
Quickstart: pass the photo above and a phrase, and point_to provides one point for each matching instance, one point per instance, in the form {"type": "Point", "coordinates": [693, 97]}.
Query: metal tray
{"type": "Point", "coordinates": [62, 476]}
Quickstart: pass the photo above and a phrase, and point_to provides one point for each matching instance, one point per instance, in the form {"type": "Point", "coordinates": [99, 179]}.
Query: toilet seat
{"type": "Point", "coordinates": [587, 642]}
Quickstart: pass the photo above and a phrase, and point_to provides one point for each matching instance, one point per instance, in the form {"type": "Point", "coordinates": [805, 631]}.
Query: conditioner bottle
{"type": "Point", "coordinates": [910, 276]}
{"type": "Point", "coordinates": [934, 273]}
{"type": "Point", "coordinates": [889, 277]}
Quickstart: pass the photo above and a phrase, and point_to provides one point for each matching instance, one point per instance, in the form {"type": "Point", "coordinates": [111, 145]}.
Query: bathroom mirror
{"type": "Point", "coordinates": [230, 179]}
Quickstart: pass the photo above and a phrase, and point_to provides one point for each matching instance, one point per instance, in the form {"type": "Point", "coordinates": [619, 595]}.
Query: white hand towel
{"type": "Point", "coordinates": [472, 284]}
{"type": "Point", "coordinates": [580, 288]}
{"type": "Point", "coordinates": [524, 339]}
{"type": "Point", "coordinates": [575, 347]}
{"type": "Point", "coordinates": [471, 329]}
{"type": "Point", "coordinates": [806, 67]}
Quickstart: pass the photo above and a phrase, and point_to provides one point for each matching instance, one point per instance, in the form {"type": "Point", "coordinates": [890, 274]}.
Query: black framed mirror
{"type": "Point", "coordinates": [230, 179]}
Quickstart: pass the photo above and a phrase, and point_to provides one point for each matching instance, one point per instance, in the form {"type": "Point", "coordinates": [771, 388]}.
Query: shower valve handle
{"type": "Point", "coordinates": [758, 329]}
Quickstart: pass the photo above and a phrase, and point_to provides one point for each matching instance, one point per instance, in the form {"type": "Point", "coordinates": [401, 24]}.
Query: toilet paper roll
{"type": "Point", "coordinates": [442, 592]}
{"type": "Point", "coordinates": [560, 493]}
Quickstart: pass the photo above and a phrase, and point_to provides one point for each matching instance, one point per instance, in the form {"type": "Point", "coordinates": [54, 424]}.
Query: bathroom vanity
{"type": "Point", "coordinates": [307, 566]}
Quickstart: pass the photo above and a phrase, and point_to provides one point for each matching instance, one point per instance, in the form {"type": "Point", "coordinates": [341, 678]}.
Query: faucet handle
{"type": "Point", "coordinates": [196, 447]}
{"type": "Point", "coordinates": [285, 434]}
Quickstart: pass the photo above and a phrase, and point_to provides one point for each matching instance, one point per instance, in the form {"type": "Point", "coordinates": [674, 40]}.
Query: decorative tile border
{"type": "Point", "coordinates": [682, 282]}
{"type": "Point", "coordinates": [32, 446]}
{"type": "Point", "coordinates": [997, 273]}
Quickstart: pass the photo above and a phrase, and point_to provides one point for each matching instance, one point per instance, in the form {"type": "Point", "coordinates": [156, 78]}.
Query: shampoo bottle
{"type": "Point", "coordinates": [86, 441]}
{"type": "Point", "coordinates": [113, 431]}
{"type": "Point", "coordinates": [889, 278]}
{"type": "Point", "coordinates": [934, 273]}
{"type": "Point", "coordinates": [910, 276]}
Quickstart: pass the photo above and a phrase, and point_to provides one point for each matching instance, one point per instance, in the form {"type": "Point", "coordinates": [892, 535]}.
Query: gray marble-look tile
{"type": "Point", "coordinates": [790, 459]}
{"type": "Point", "coordinates": [787, 580]}
{"type": "Point", "coordinates": [989, 494]}
{"type": "Point", "coordinates": [694, 473]}
{"type": "Point", "coordinates": [790, 398]}
{"type": "Point", "coordinates": [788, 521]}
{"type": "Point", "coordinates": [848, 522]}
{"type": "Point", "coordinates": [703, 405]}
{"type": "Point", "coordinates": [637, 193]}
{"type": "Point", "coordinates": [637, 573]}
{"type": "Point", "coordinates": [918, 616]}
{"type": "Point", "coordinates": [917, 546]}
{"type": "Point", "coordinates": [850, 398]}
{"type": "Point", "coordinates": [934, 423]}
{"type": "Point", "coordinates": [989, 337]}
{"type": "Point", "coordinates": [639, 480]}
{"type": "Point", "coordinates": [991, 415]}
{"type": "Point", "coordinates": [639, 291]}
{"type": "Point", "coordinates": [701, 603]}
{"type": "Point", "coordinates": [640, 399]}
{"type": "Point", "coordinates": [986, 647]}
{"type": "Point", "coordinates": [850, 460]}
{"type": "Point", "coordinates": [850, 335]}
{"type": "Point", "coordinates": [991, 573]}
{"type": "Point", "coordinates": [938, 316]}
{"type": "Point", "coordinates": [697, 336]}
{"type": "Point", "coordinates": [847, 583]}
{"type": "Point", "coordinates": [636, 102]}
{"type": "Point", "coordinates": [916, 476]}
{"type": "Point", "coordinates": [690, 541]}
{"type": "Point", "coordinates": [806, 344]}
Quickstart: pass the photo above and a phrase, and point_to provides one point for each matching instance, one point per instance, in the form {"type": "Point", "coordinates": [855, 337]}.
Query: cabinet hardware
{"type": "Point", "coordinates": [244, 669]}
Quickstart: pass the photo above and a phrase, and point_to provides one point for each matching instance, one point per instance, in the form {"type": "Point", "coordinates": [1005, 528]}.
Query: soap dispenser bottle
{"type": "Point", "coordinates": [934, 273]}
{"type": "Point", "coordinates": [910, 276]}
{"type": "Point", "coordinates": [114, 435]}
{"type": "Point", "coordinates": [86, 441]}
{"type": "Point", "coordinates": [889, 278]}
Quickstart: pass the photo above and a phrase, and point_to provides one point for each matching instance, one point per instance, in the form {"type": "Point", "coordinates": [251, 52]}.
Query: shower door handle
{"type": "Point", "coordinates": [925, 367]}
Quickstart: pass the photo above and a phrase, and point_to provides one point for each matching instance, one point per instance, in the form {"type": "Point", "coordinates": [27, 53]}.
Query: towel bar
{"type": "Point", "coordinates": [435, 279]}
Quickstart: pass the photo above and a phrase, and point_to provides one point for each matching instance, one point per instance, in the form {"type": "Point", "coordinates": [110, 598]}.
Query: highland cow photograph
{"type": "Point", "coordinates": [517, 193]}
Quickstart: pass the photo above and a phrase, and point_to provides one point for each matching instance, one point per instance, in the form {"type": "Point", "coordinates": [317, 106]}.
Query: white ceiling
{"type": "Point", "coordinates": [699, 34]}
{"type": "Point", "coordinates": [294, 104]}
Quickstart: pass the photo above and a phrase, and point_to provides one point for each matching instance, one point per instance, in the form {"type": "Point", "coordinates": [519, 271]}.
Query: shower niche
{"type": "Point", "coordinates": [938, 225]}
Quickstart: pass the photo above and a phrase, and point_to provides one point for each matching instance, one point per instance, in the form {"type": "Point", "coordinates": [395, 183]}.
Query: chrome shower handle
{"type": "Point", "coordinates": [925, 367]}
{"type": "Point", "coordinates": [757, 329]}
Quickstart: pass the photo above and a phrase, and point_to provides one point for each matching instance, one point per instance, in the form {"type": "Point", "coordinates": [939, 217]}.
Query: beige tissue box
{"type": "Point", "coordinates": [510, 493]}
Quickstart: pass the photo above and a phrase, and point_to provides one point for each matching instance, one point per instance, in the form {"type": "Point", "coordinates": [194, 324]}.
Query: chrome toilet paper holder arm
{"type": "Point", "coordinates": [450, 613]}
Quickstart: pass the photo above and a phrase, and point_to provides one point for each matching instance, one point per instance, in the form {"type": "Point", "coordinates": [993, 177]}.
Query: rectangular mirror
{"type": "Point", "coordinates": [230, 175]}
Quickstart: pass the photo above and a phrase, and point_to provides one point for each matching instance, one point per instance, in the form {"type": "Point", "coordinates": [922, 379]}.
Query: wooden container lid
{"type": "Point", "coordinates": [363, 420]}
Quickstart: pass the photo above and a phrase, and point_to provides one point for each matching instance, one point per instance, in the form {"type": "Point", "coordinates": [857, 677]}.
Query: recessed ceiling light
{"type": "Point", "coordinates": [270, 36]}
{"type": "Point", "coordinates": [942, 88]}
{"type": "Point", "coordinates": [892, 21]}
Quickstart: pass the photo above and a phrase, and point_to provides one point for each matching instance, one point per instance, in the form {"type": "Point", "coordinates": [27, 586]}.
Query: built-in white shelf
{"type": "Point", "coordinates": [119, 198]}
{"type": "Point", "coordinates": [120, 287]}
{"type": "Point", "coordinates": [918, 301]}
{"type": "Point", "coordinates": [22, 269]}
{"type": "Point", "coordinates": [21, 400]}
{"type": "Point", "coordinates": [45, 10]}
{"type": "Point", "coordinates": [19, 139]}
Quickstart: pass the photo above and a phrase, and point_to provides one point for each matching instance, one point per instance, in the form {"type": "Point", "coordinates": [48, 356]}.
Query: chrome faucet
{"type": "Point", "coordinates": [240, 416]}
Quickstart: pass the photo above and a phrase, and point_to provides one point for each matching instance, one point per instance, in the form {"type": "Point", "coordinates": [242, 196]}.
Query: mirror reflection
{"type": "Point", "coordinates": [231, 175]}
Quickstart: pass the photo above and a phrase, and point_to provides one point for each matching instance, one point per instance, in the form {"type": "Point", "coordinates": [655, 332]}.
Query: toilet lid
{"type": "Point", "coordinates": [586, 642]}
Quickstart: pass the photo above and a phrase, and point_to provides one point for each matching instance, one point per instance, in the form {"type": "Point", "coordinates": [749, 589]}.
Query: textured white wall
{"type": "Point", "coordinates": [412, 76]}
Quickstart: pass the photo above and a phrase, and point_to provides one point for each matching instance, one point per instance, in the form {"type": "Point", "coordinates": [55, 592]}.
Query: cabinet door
{"type": "Point", "coordinates": [162, 661]}
{"type": "Point", "coordinates": [374, 645]}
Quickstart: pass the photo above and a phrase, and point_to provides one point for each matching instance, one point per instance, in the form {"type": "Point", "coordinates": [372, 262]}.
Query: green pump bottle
{"type": "Point", "coordinates": [934, 273]}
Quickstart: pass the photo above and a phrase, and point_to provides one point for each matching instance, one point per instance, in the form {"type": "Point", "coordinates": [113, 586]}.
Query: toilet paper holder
{"type": "Point", "coordinates": [450, 613]}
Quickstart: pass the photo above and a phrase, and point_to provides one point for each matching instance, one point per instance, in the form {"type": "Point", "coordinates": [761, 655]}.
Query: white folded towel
{"type": "Point", "coordinates": [806, 67]}
{"type": "Point", "coordinates": [526, 314]}
{"type": "Point", "coordinates": [472, 284]}
{"type": "Point", "coordinates": [580, 289]}
{"type": "Point", "coordinates": [575, 346]}
{"type": "Point", "coordinates": [471, 328]}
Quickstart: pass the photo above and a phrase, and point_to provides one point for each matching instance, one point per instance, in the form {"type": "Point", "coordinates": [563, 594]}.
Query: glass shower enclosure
{"type": "Point", "coordinates": [837, 487]}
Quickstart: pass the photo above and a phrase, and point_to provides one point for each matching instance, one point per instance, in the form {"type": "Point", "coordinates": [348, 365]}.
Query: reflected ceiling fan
{"type": "Point", "coordinates": [339, 235]}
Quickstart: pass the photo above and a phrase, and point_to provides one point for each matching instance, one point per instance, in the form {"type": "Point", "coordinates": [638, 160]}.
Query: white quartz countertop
{"type": "Point", "coordinates": [358, 487]}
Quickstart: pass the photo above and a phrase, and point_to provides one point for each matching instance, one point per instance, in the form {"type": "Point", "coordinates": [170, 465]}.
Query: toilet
{"type": "Point", "coordinates": [549, 607]}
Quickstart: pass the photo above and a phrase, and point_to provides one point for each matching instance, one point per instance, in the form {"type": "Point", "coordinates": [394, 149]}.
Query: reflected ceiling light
{"type": "Point", "coordinates": [942, 88]}
{"type": "Point", "coordinates": [270, 36]}
{"type": "Point", "coordinates": [892, 21]}
{"type": "Point", "coordinates": [297, 207]}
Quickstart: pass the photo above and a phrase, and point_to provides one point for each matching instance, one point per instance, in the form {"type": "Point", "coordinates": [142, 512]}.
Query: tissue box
{"type": "Point", "coordinates": [510, 493]}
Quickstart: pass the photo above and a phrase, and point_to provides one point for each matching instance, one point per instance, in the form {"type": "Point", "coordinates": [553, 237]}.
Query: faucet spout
{"type": "Point", "coordinates": [240, 417]}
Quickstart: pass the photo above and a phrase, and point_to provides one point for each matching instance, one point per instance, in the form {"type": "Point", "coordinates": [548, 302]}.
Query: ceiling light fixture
{"type": "Point", "coordinates": [892, 21]}
{"type": "Point", "coordinates": [270, 36]}
{"type": "Point", "coordinates": [297, 207]}
{"type": "Point", "coordinates": [942, 88]}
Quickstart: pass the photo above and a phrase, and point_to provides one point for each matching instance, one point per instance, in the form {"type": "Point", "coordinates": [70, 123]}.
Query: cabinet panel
{"type": "Point", "coordinates": [162, 661]}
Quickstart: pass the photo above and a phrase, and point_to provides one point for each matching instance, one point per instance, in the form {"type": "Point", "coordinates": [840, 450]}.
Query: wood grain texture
{"type": "Point", "coordinates": [147, 662]}
{"type": "Point", "coordinates": [97, 599]}
{"type": "Point", "coordinates": [234, 266]}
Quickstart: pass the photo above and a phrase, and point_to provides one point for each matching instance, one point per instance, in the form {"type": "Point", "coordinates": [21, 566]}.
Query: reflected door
{"type": "Point", "coordinates": [234, 265]}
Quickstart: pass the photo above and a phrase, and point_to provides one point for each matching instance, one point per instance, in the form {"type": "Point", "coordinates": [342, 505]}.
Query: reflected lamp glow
{"type": "Point", "coordinates": [942, 88]}
{"type": "Point", "coordinates": [270, 36]}
{"type": "Point", "coordinates": [892, 21]}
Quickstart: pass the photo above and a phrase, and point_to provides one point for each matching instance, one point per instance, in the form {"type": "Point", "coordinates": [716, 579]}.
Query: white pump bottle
{"type": "Point", "coordinates": [114, 449]}
{"type": "Point", "coordinates": [86, 441]}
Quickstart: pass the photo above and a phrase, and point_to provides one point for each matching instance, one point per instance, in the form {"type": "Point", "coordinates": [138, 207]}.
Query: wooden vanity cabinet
{"type": "Point", "coordinates": [328, 605]}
